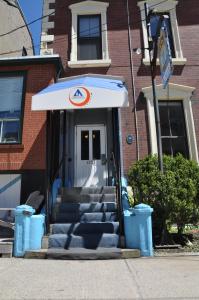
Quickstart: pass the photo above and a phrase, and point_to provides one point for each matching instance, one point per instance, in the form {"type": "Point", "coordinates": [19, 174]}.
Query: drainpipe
{"type": "Point", "coordinates": [133, 81]}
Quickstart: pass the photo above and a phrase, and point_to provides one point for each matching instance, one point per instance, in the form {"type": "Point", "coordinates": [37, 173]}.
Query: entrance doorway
{"type": "Point", "coordinates": [90, 155]}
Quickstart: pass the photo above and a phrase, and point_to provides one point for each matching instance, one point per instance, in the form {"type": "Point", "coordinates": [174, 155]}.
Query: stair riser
{"type": "Point", "coordinates": [88, 241]}
{"type": "Point", "coordinates": [85, 198]}
{"type": "Point", "coordinates": [85, 217]}
{"type": "Point", "coordinates": [88, 190]}
{"type": "Point", "coordinates": [83, 228]}
{"type": "Point", "coordinates": [85, 207]}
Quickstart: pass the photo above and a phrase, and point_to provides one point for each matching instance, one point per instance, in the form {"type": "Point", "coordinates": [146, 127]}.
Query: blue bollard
{"type": "Point", "coordinates": [23, 215]}
{"type": "Point", "coordinates": [138, 229]}
{"type": "Point", "coordinates": [37, 223]}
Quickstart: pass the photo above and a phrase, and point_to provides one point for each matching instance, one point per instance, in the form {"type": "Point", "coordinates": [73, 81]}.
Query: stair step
{"type": "Point", "coordinates": [76, 217]}
{"type": "Point", "coordinates": [85, 207]}
{"type": "Point", "coordinates": [82, 253]}
{"type": "Point", "coordinates": [82, 228]}
{"type": "Point", "coordinates": [87, 198]}
{"type": "Point", "coordinates": [88, 241]}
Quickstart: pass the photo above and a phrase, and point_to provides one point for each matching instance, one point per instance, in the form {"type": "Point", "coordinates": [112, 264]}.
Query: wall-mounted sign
{"type": "Point", "coordinates": [165, 58]}
{"type": "Point", "coordinates": [79, 96]}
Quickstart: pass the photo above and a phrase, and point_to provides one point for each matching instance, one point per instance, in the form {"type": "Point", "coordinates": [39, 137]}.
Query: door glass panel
{"type": "Point", "coordinates": [96, 144]}
{"type": "Point", "coordinates": [85, 145]}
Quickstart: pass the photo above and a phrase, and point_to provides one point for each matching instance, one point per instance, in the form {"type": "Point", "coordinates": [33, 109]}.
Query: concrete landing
{"type": "Point", "coordinates": [83, 254]}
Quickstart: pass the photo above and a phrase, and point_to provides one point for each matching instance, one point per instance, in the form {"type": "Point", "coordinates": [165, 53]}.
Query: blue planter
{"type": "Point", "coordinates": [138, 229]}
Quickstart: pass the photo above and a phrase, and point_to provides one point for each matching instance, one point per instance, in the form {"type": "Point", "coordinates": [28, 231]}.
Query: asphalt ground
{"type": "Point", "coordinates": [144, 278]}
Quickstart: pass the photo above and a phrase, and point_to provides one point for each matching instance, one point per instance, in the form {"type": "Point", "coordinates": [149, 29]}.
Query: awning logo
{"type": "Point", "coordinates": [79, 96]}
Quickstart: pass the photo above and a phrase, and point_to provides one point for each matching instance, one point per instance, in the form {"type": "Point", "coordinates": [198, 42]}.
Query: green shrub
{"type": "Point", "coordinates": [173, 195]}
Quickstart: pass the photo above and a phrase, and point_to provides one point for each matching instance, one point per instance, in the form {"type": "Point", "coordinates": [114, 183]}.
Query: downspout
{"type": "Point", "coordinates": [133, 81]}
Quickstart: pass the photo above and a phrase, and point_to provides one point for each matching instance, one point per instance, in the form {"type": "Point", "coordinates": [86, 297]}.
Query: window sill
{"type": "Point", "coordinates": [11, 146]}
{"type": "Point", "coordinates": [176, 61]}
{"type": "Point", "coordinates": [89, 63]}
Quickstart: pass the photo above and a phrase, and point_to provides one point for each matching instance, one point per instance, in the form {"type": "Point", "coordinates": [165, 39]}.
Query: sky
{"type": "Point", "coordinates": [32, 10]}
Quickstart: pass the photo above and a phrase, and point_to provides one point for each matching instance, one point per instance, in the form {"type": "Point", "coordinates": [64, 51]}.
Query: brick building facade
{"type": "Point", "coordinates": [63, 34]}
{"type": "Point", "coordinates": [109, 58]}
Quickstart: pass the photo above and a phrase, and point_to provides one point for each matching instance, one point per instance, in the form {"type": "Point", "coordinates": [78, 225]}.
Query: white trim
{"type": "Point", "coordinates": [174, 92]}
{"type": "Point", "coordinates": [163, 6]}
{"type": "Point", "coordinates": [89, 8]}
{"type": "Point", "coordinates": [89, 63]}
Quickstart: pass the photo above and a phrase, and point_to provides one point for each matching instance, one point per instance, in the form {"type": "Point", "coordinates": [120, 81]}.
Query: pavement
{"type": "Point", "coordinates": [144, 278]}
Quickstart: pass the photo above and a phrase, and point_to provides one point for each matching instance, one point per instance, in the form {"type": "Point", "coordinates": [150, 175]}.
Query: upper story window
{"type": "Point", "coordinates": [89, 43]}
{"type": "Point", "coordinates": [11, 94]}
{"type": "Point", "coordinates": [89, 37]}
{"type": "Point", "coordinates": [154, 20]}
{"type": "Point", "coordinates": [167, 7]}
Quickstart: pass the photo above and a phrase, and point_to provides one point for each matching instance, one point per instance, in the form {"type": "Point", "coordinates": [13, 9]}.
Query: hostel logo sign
{"type": "Point", "coordinates": [79, 96]}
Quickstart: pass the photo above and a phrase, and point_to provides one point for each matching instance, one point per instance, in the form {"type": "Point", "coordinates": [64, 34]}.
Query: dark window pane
{"type": "Point", "coordinates": [154, 20]}
{"type": "Point", "coordinates": [96, 144]}
{"type": "Point", "coordinates": [164, 119]}
{"type": "Point", "coordinates": [85, 145]}
{"type": "Point", "coordinates": [177, 119]}
{"type": "Point", "coordinates": [10, 131]}
{"type": "Point", "coordinates": [89, 44]}
{"type": "Point", "coordinates": [166, 146]}
{"type": "Point", "coordinates": [11, 90]}
{"type": "Point", "coordinates": [179, 145]}
{"type": "Point", "coordinates": [89, 26]}
{"type": "Point", "coordinates": [173, 129]}
{"type": "Point", "coordinates": [89, 49]}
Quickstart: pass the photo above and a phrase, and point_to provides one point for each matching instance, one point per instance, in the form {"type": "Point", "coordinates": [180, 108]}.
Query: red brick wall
{"type": "Point", "coordinates": [32, 153]}
{"type": "Point", "coordinates": [187, 15]}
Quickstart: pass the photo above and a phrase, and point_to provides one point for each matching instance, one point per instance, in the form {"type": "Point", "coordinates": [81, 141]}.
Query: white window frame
{"type": "Point", "coordinates": [89, 8]}
{"type": "Point", "coordinates": [163, 6]}
{"type": "Point", "coordinates": [174, 92]}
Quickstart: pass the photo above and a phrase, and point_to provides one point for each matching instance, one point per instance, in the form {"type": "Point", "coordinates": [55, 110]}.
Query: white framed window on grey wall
{"type": "Point", "coordinates": [11, 107]}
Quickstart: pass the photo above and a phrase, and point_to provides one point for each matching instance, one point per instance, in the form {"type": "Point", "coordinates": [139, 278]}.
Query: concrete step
{"type": "Point", "coordinates": [81, 228]}
{"type": "Point", "coordinates": [87, 198]}
{"type": "Point", "coordinates": [76, 217]}
{"type": "Point", "coordinates": [88, 241]}
{"type": "Point", "coordinates": [6, 248]}
{"type": "Point", "coordinates": [83, 254]}
{"type": "Point", "coordinates": [85, 207]}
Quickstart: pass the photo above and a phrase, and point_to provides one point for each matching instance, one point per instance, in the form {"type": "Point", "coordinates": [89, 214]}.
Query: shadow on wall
{"type": "Point", "coordinates": [141, 107]}
{"type": "Point", "coordinates": [33, 167]}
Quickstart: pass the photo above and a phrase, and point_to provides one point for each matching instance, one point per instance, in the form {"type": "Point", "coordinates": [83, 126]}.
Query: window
{"type": "Point", "coordinates": [154, 20]}
{"type": "Point", "coordinates": [173, 129]}
{"type": "Point", "coordinates": [11, 92]}
{"type": "Point", "coordinates": [177, 124]}
{"type": "Point", "coordinates": [89, 43]}
{"type": "Point", "coordinates": [167, 7]}
{"type": "Point", "coordinates": [89, 37]}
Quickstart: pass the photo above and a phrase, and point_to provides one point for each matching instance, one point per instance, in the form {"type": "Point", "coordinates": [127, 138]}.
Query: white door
{"type": "Point", "coordinates": [91, 158]}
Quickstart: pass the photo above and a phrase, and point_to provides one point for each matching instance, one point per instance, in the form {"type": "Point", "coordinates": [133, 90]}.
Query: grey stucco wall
{"type": "Point", "coordinates": [13, 43]}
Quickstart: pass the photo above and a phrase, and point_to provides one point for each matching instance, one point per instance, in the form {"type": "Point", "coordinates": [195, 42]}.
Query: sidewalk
{"type": "Point", "coordinates": [153, 278]}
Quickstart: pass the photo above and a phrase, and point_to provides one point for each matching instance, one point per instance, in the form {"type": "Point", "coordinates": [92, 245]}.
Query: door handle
{"type": "Point", "coordinates": [103, 159]}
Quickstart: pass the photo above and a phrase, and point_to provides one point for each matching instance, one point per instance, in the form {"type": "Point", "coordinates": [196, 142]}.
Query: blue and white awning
{"type": "Point", "coordinates": [82, 92]}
